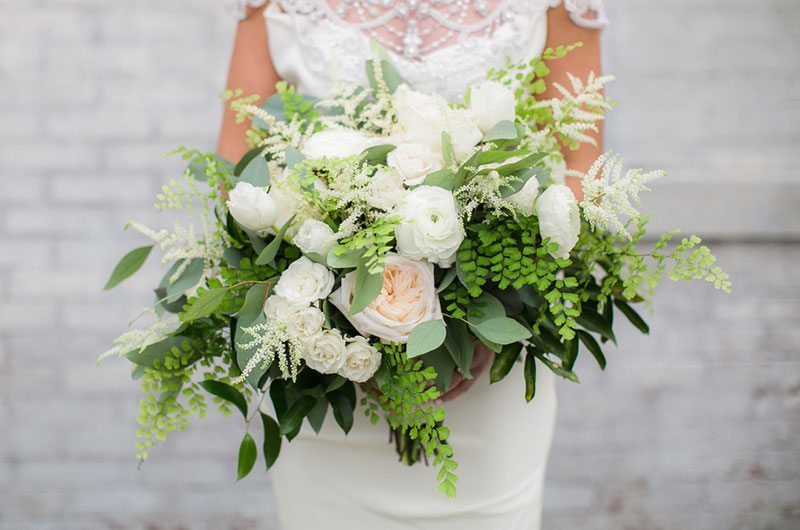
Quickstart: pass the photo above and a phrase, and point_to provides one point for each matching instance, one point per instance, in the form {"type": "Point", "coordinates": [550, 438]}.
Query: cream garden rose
{"type": "Point", "coordinates": [361, 360]}
{"type": "Point", "coordinates": [305, 282]}
{"type": "Point", "coordinates": [252, 207]}
{"type": "Point", "coordinates": [278, 308]}
{"type": "Point", "coordinates": [306, 324]}
{"type": "Point", "coordinates": [491, 102]}
{"type": "Point", "coordinates": [414, 162]}
{"type": "Point", "coordinates": [314, 237]}
{"type": "Point", "coordinates": [326, 353]}
{"type": "Point", "coordinates": [559, 218]}
{"type": "Point", "coordinates": [407, 298]}
{"type": "Point", "coordinates": [431, 228]}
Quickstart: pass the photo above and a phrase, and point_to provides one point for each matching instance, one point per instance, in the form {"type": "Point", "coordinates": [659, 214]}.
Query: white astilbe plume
{"type": "Point", "coordinates": [270, 340]}
{"type": "Point", "coordinates": [139, 339]}
{"type": "Point", "coordinates": [608, 194]}
{"type": "Point", "coordinates": [484, 190]}
{"type": "Point", "coordinates": [281, 134]}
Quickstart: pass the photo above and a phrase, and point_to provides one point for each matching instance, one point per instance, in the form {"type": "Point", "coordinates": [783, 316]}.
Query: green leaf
{"type": "Point", "coordinates": [447, 150]}
{"type": "Point", "coordinates": [247, 456]}
{"type": "Point", "coordinates": [233, 257]}
{"type": "Point", "coordinates": [441, 361]}
{"type": "Point", "coordinates": [293, 157]}
{"type": "Point", "coordinates": [205, 304]}
{"type": "Point", "coordinates": [505, 130]}
{"type": "Point", "coordinates": [226, 392]}
{"type": "Point", "coordinates": [390, 75]}
{"type": "Point", "coordinates": [256, 172]}
{"type": "Point", "coordinates": [342, 410]}
{"type": "Point", "coordinates": [444, 178]}
{"type": "Point", "coordinates": [197, 167]}
{"type": "Point", "coordinates": [316, 418]}
{"type": "Point", "coordinates": [459, 344]}
{"type": "Point", "coordinates": [425, 337]}
{"type": "Point", "coordinates": [593, 321]}
{"type": "Point", "coordinates": [156, 352]}
{"type": "Point", "coordinates": [504, 362]}
{"type": "Point", "coordinates": [530, 376]}
{"type": "Point", "coordinates": [485, 307]}
{"type": "Point", "coordinates": [566, 374]}
{"type": "Point", "coordinates": [190, 277]}
{"type": "Point", "coordinates": [376, 155]}
{"type": "Point", "coordinates": [571, 354]}
{"type": "Point", "coordinates": [348, 260]}
{"type": "Point", "coordinates": [448, 278]}
{"type": "Point", "coordinates": [127, 266]}
{"type": "Point", "coordinates": [632, 316]}
{"type": "Point", "coordinates": [253, 304]}
{"type": "Point", "coordinates": [294, 416]}
{"type": "Point", "coordinates": [271, 250]}
{"type": "Point", "coordinates": [272, 439]}
{"type": "Point", "coordinates": [593, 347]}
{"type": "Point", "coordinates": [503, 330]}
{"type": "Point", "coordinates": [367, 287]}
{"type": "Point", "coordinates": [245, 160]}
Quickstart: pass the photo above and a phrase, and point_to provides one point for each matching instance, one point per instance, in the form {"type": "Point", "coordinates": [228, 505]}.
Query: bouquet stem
{"type": "Point", "coordinates": [409, 451]}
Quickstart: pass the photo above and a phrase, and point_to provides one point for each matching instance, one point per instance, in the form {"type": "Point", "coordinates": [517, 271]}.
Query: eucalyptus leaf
{"type": "Point", "coordinates": [505, 130]}
{"type": "Point", "coordinates": [127, 266]}
{"type": "Point", "coordinates": [348, 260]}
{"type": "Point", "coordinates": [368, 286]}
{"type": "Point", "coordinates": [247, 456]}
{"type": "Point", "coordinates": [448, 278]}
{"type": "Point", "coordinates": [444, 178]}
{"type": "Point", "coordinates": [205, 304]}
{"type": "Point", "coordinates": [156, 352]}
{"type": "Point", "coordinates": [253, 304]}
{"type": "Point", "coordinates": [272, 439]}
{"type": "Point", "coordinates": [271, 250]}
{"type": "Point", "coordinates": [245, 160]}
{"type": "Point", "coordinates": [376, 155]}
{"type": "Point", "coordinates": [503, 330]}
{"type": "Point", "coordinates": [256, 172]}
{"type": "Point", "coordinates": [233, 257]}
{"type": "Point", "coordinates": [426, 337]}
{"type": "Point", "coordinates": [190, 277]}
{"type": "Point", "coordinates": [447, 150]}
{"type": "Point", "coordinates": [197, 167]}
{"type": "Point", "coordinates": [293, 157]}
{"type": "Point", "coordinates": [226, 392]}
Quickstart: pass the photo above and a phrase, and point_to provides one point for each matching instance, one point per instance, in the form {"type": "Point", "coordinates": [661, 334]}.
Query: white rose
{"type": "Point", "coordinates": [314, 237]}
{"type": "Point", "coordinates": [492, 102]}
{"type": "Point", "coordinates": [336, 143]}
{"type": "Point", "coordinates": [559, 218]}
{"type": "Point", "coordinates": [408, 297]}
{"type": "Point", "coordinates": [414, 162]}
{"type": "Point", "coordinates": [525, 198]}
{"type": "Point", "coordinates": [464, 133]}
{"type": "Point", "coordinates": [286, 203]}
{"type": "Point", "coordinates": [306, 324]}
{"type": "Point", "coordinates": [325, 353]}
{"type": "Point", "coordinates": [252, 207]}
{"type": "Point", "coordinates": [430, 228]}
{"type": "Point", "coordinates": [361, 360]}
{"type": "Point", "coordinates": [278, 308]}
{"type": "Point", "coordinates": [304, 282]}
{"type": "Point", "coordinates": [386, 189]}
{"type": "Point", "coordinates": [421, 117]}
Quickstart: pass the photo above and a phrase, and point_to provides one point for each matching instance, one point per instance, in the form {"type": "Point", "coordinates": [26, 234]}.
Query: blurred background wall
{"type": "Point", "coordinates": [696, 427]}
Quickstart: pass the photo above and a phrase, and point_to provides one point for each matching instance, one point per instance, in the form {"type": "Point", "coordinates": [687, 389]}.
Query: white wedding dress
{"type": "Point", "coordinates": [331, 481]}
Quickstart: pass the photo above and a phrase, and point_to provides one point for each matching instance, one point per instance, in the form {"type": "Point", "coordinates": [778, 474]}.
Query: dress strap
{"type": "Point", "coordinates": [585, 13]}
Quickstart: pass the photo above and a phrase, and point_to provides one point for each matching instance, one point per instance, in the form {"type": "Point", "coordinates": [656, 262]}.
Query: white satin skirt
{"type": "Point", "coordinates": [335, 482]}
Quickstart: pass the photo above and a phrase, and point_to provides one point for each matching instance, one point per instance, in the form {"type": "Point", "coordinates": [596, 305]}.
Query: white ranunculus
{"type": "Point", "coordinates": [306, 324]}
{"type": "Point", "coordinates": [336, 143]}
{"type": "Point", "coordinates": [464, 133]}
{"type": "Point", "coordinates": [559, 218]}
{"type": "Point", "coordinates": [386, 189]}
{"type": "Point", "coordinates": [361, 360]}
{"type": "Point", "coordinates": [430, 228]}
{"type": "Point", "coordinates": [526, 197]}
{"type": "Point", "coordinates": [326, 353]}
{"type": "Point", "coordinates": [304, 282]}
{"type": "Point", "coordinates": [408, 298]}
{"type": "Point", "coordinates": [414, 162]}
{"type": "Point", "coordinates": [492, 102]}
{"type": "Point", "coordinates": [421, 117]}
{"type": "Point", "coordinates": [252, 207]}
{"type": "Point", "coordinates": [557, 167]}
{"type": "Point", "coordinates": [278, 308]}
{"type": "Point", "coordinates": [314, 237]}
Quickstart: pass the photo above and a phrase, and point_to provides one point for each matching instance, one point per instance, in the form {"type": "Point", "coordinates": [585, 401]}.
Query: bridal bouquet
{"type": "Point", "coordinates": [369, 242]}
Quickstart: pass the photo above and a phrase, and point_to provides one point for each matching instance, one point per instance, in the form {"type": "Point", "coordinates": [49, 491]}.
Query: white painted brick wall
{"type": "Point", "coordinates": [694, 427]}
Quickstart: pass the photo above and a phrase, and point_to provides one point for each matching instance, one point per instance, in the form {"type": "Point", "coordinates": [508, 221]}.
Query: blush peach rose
{"type": "Point", "coordinates": [408, 297]}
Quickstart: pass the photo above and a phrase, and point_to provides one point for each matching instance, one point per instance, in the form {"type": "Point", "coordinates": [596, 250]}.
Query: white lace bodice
{"type": "Point", "coordinates": [437, 45]}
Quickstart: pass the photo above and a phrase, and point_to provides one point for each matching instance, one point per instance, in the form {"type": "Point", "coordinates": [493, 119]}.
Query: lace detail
{"type": "Point", "coordinates": [239, 10]}
{"type": "Point", "coordinates": [585, 13]}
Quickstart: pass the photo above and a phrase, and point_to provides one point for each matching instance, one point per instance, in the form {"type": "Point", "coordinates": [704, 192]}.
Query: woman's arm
{"type": "Point", "coordinates": [251, 70]}
{"type": "Point", "coordinates": [562, 30]}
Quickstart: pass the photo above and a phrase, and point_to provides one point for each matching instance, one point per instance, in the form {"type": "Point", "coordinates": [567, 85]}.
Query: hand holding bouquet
{"type": "Point", "coordinates": [368, 241]}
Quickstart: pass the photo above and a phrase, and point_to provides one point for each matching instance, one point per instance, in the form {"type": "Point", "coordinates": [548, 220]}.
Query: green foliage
{"type": "Point", "coordinates": [127, 266]}
{"type": "Point", "coordinates": [247, 456]}
{"type": "Point", "coordinates": [406, 396]}
{"type": "Point", "coordinates": [295, 105]}
{"type": "Point", "coordinates": [426, 337]}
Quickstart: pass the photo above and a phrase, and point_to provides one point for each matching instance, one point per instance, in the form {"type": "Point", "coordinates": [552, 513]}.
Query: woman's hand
{"type": "Point", "coordinates": [482, 359]}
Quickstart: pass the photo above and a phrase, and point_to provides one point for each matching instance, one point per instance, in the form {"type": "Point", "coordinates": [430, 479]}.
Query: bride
{"type": "Point", "coordinates": [329, 481]}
